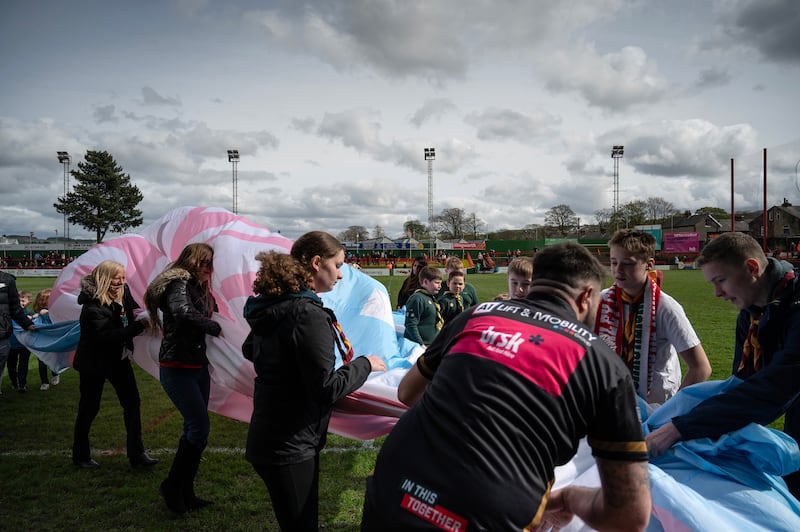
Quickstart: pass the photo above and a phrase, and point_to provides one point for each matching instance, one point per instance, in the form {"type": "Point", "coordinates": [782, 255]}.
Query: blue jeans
{"type": "Point", "coordinates": [189, 388]}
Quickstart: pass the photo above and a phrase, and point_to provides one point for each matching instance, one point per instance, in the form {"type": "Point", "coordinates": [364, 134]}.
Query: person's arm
{"type": "Point", "coordinates": [621, 503]}
{"type": "Point", "coordinates": [314, 346]}
{"type": "Point", "coordinates": [661, 439]}
{"type": "Point", "coordinates": [412, 387]}
{"type": "Point", "coordinates": [413, 311]}
{"type": "Point", "coordinates": [678, 331]}
{"type": "Point", "coordinates": [180, 305]}
{"type": "Point", "coordinates": [698, 368]}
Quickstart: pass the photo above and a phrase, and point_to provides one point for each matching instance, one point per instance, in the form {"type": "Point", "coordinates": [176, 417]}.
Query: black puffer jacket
{"type": "Point", "coordinates": [292, 348]}
{"type": "Point", "coordinates": [9, 306]}
{"type": "Point", "coordinates": [185, 307]}
{"type": "Point", "coordinates": [103, 333]}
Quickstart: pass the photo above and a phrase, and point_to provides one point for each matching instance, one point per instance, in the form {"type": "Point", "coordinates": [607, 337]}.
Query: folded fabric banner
{"type": "Point", "coordinates": [732, 483]}
{"type": "Point", "coordinates": [54, 344]}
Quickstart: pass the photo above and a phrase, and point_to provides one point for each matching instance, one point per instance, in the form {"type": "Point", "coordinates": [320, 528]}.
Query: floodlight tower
{"type": "Point", "coordinates": [233, 158]}
{"type": "Point", "coordinates": [616, 154]}
{"type": "Point", "coordinates": [65, 159]}
{"type": "Point", "coordinates": [430, 155]}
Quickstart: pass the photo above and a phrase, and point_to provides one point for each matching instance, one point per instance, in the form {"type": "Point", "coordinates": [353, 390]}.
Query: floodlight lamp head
{"type": "Point", "coordinates": [430, 154]}
{"type": "Point", "coordinates": [617, 151]}
{"type": "Point", "coordinates": [233, 156]}
{"type": "Point", "coordinates": [63, 157]}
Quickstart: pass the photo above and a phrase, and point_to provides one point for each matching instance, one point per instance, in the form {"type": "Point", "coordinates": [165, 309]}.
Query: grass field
{"type": "Point", "coordinates": [41, 490]}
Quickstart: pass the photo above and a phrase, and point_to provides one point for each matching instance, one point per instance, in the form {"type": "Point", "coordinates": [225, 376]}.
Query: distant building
{"type": "Point", "coordinates": [783, 227]}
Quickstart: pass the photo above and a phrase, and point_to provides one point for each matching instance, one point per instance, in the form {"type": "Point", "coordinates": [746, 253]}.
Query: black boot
{"type": "Point", "coordinates": [192, 501]}
{"type": "Point", "coordinates": [172, 488]}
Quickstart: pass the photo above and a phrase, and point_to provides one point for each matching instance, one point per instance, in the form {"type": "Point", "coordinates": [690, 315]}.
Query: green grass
{"type": "Point", "coordinates": [42, 490]}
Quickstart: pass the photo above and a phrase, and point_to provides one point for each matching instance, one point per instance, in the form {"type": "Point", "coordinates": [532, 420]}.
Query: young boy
{"type": "Point", "coordinates": [520, 272]}
{"type": "Point", "coordinates": [766, 356]}
{"type": "Point", "coordinates": [451, 303]}
{"type": "Point", "coordinates": [646, 327]}
{"type": "Point", "coordinates": [18, 355]}
{"type": "Point", "coordinates": [469, 296]}
{"type": "Point", "coordinates": [423, 319]}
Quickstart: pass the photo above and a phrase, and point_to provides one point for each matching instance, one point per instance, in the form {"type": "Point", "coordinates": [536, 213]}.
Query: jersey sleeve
{"type": "Point", "coordinates": [615, 433]}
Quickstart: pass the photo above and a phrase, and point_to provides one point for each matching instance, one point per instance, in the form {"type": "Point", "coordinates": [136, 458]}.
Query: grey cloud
{"type": "Point", "coordinates": [306, 125]}
{"type": "Point", "coordinates": [431, 109]}
{"type": "Point", "coordinates": [712, 77]}
{"type": "Point", "coordinates": [431, 40]}
{"type": "Point", "coordinates": [769, 26]}
{"type": "Point", "coordinates": [694, 148]}
{"type": "Point", "coordinates": [151, 97]}
{"type": "Point", "coordinates": [614, 81]}
{"type": "Point", "coordinates": [502, 124]}
{"type": "Point", "coordinates": [360, 129]}
{"type": "Point", "coordinates": [105, 113]}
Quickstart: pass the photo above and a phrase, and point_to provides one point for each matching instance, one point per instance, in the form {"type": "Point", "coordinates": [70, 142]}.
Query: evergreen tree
{"type": "Point", "coordinates": [103, 197]}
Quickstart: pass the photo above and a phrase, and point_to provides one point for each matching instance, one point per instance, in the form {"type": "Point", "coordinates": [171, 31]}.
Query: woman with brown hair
{"type": "Point", "coordinates": [292, 345]}
{"type": "Point", "coordinates": [183, 295]}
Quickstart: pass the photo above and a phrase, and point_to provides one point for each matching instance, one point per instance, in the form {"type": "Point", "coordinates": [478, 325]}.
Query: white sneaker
{"type": "Point", "coordinates": [55, 380]}
{"type": "Point", "coordinates": [44, 386]}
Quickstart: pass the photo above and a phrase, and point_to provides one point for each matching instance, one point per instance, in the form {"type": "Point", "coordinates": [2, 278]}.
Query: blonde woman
{"type": "Point", "coordinates": [107, 326]}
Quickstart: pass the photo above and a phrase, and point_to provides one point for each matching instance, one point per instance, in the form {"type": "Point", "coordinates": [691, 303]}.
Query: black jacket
{"type": "Point", "coordinates": [774, 390]}
{"type": "Point", "coordinates": [9, 306]}
{"type": "Point", "coordinates": [292, 347]}
{"type": "Point", "coordinates": [185, 307]}
{"type": "Point", "coordinates": [103, 332]}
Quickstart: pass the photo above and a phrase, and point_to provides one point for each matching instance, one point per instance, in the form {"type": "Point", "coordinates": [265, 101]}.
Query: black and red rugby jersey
{"type": "Point", "coordinates": [515, 386]}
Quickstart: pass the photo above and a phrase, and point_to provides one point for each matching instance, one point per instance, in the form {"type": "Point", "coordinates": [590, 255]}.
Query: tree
{"type": "Point", "coordinates": [475, 225]}
{"type": "Point", "coordinates": [717, 212]}
{"type": "Point", "coordinates": [415, 229]}
{"type": "Point", "coordinates": [103, 197]}
{"type": "Point", "coordinates": [659, 209]}
{"type": "Point", "coordinates": [354, 233]}
{"type": "Point", "coordinates": [561, 219]}
{"type": "Point", "coordinates": [379, 232]}
{"type": "Point", "coordinates": [451, 223]}
{"type": "Point", "coordinates": [603, 219]}
{"type": "Point", "coordinates": [629, 214]}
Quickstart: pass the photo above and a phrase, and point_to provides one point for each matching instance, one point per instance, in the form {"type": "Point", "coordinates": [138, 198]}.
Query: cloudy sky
{"type": "Point", "coordinates": [331, 102]}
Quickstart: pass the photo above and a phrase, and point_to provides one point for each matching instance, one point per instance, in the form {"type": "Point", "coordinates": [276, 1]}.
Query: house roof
{"type": "Point", "coordinates": [693, 220]}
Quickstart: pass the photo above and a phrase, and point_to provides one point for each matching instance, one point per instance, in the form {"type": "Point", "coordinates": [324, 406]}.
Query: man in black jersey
{"type": "Point", "coordinates": [500, 398]}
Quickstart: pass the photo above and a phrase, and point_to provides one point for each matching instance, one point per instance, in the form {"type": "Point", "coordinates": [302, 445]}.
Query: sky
{"type": "Point", "coordinates": [332, 102]}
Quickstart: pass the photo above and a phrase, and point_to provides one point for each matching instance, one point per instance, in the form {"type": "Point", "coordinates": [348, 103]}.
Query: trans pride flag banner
{"type": "Point", "coordinates": [361, 304]}
{"type": "Point", "coordinates": [731, 484]}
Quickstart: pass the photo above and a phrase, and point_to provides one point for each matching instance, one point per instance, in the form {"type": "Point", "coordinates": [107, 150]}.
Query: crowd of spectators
{"type": "Point", "coordinates": [51, 260]}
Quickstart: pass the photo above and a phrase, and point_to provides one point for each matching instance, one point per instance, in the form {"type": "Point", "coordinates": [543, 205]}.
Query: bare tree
{"type": "Point", "coordinates": [603, 219]}
{"type": "Point", "coordinates": [451, 223]}
{"type": "Point", "coordinates": [378, 232]}
{"type": "Point", "coordinates": [476, 225]}
{"type": "Point", "coordinates": [659, 209]}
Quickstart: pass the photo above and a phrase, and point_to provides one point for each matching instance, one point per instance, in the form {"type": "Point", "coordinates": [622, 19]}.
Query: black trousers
{"type": "Point", "coordinates": [91, 387]}
{"type": "Point", "coordinates": [18, 360]}
{"type": "Point", "coordinates": [294, 490]}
